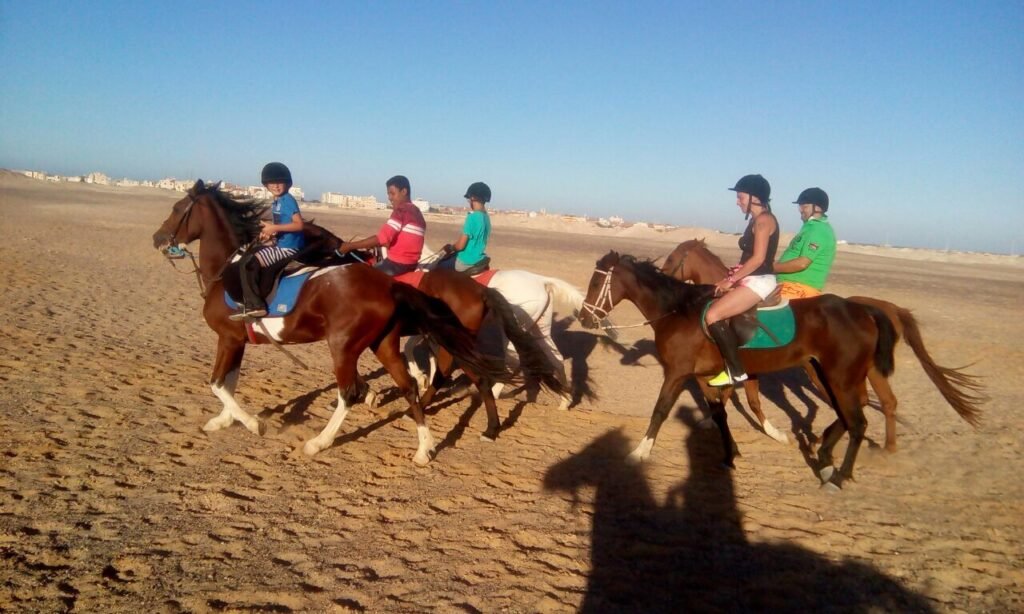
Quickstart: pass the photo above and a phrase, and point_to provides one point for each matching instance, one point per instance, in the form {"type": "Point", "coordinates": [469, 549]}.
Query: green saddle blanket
{"type": "Point", "coordinates": [779, 320]}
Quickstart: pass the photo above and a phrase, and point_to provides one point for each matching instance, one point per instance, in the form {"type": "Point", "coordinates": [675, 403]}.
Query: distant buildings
{"type": "Point", "coordinates": [346, 201]}
{"type": "Point", "coordinates": [167, 183]}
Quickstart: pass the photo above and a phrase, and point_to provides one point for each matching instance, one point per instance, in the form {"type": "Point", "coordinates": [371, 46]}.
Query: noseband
{"type": "Point", "coordinates": [178, 252]}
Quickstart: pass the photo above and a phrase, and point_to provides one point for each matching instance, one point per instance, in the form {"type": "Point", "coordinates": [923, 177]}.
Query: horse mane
{"type": "Point", "coordinates": [243, 212]}
{"type": "Point", "coordinates": [670, 293]}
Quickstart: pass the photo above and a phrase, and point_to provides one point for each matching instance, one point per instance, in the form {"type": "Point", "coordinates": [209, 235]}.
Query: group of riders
{"type": "Point", "coordinates": [800, 272]}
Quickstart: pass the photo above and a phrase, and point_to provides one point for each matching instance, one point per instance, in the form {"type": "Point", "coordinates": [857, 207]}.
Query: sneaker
{"type": "Point", "coordinates": [723, 379]}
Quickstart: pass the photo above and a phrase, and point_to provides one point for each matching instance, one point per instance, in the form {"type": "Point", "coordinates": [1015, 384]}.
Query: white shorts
{"type": "Point", "coordinates": [762, 285]}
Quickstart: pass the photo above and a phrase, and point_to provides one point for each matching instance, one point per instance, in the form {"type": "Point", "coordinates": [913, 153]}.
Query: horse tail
{"type": "Point", "coordinates": [433, 318]}
{"type": "Point", "coordinates": [963, 391]}
{"type": "Point", "coordinates": [531, 358]}
{"type": "Point", "coordinates": [885, 346]}
{"type": "Point", "coordinates": [564, 294]}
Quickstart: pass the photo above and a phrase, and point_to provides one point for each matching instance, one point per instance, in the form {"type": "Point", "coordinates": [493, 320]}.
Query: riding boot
{"type": "Point", "coordinates": [252, 301]}
{"type": "Point", "coordinates": [728, 345]}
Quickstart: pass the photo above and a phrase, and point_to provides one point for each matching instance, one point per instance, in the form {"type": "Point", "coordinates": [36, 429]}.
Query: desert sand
{"type": "Point", "coordinates": [113, 499]}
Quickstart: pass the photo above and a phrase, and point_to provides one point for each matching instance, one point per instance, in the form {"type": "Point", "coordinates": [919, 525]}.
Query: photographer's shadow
{"type": "Point", "coordinates": [691, 554]}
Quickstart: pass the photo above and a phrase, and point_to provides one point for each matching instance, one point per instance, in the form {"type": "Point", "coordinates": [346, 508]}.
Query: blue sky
{"type": "Point", "coordinates": [908, 113]}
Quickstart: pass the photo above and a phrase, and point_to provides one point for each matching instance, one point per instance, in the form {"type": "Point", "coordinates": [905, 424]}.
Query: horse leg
{"type": "Point", "coordinates": [223, 382]}
{"type": "Point", "coordinates": [543, 329]}
{"type": "Point", "coordinates": [345, 359]}
{"type": "Point", "coordinates": [880, 384]}
{"type": "Point", "coordinates": [364, 392]}
{"type": "Point", "coordinates": [752, 388]}
{"type": "Point", "coordinates": [493, 422]}
{"type": "Point", "coordinates": [829, 439]}
{"type": "Point", "coordinates": [856, 425]}
{"type": "Point", "coordinates": [390, 355]}
{"type": "Point", "coordinates": [444, 365]}
{"type": "Point", "coordinates": [414, 367]}
{"type": "Point", "coordinates": [670, 389]}
{"type": "Point", "coordinates": [716, 398]}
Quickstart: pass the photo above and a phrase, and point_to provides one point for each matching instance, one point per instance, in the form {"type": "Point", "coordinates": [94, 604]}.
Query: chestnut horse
{"type": "Point", "coordinates": [353, 307]}
{"type": "Point", "coordinates": [693, 261]}
{"type": "Point", "coordinates": [844, 338]}
{"type": "Point", "coordinates": [472, 302]}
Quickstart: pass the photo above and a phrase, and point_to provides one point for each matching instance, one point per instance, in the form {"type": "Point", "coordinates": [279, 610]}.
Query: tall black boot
{"type": "Point", "coordinates": [728, 345]}
{"type": "Point", "coordinates": [252, 299]}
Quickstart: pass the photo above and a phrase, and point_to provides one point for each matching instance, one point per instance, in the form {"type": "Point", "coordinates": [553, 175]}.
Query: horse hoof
{"type": "Point", "coordinates": [825, 474]}
{"type": "Point", "coordinates": [487, 438]}
{"type": "Point", "coordinates": [421, 459]}
{"type": "Point", "coordinates": [372, 399]}
{"type": "Point", "coordinates": [311, 448]}
{"type": "Point", "coordinates": [774, 433]}
{"type": "Point", "coordinates": [830, 487]}
{"type": "Point", "coordinates": [564, 405]}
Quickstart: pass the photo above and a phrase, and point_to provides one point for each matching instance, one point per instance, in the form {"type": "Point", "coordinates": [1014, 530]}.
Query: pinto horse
{"type": "Point", "coordinates": [693, 261]}
{"type": "Point", "coordinates": [844, 339]}
{"type": "Point", "coordinates": [353, 307]}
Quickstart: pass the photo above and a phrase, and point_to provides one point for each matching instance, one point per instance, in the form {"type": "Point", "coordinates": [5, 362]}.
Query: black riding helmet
{"type": "Point", "coordinates": [479, 191]}
{"type": "Point", "coordinates": [275, 172]}
{"type": "Point", "coordinates": [813, 196]}
{"type": "Point", "coordinates": [755, 185]}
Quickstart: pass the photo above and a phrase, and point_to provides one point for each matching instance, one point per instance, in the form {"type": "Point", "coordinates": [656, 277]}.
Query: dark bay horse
{"type": "Point", "coordinates": [844, 338]}
{"type": "Point", "coordinates": [353, 307]}
{"type": "Point", "coordinates": [693, 261]}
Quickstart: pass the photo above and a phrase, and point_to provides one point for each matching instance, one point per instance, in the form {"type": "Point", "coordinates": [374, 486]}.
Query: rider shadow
{"type": "Point", "coordinates": [692, 554]}
{"type": "Point", "coordinates": [576, 346]}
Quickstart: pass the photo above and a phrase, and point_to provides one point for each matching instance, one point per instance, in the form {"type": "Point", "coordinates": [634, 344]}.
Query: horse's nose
{"type": "Point", "coordinates": [161, 240]}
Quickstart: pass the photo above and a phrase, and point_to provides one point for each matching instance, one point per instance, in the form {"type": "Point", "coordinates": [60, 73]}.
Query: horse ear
{"type": "Point", "coordinates": [197, 188]}
{"type": "Point", "coordinates": [215, 186]}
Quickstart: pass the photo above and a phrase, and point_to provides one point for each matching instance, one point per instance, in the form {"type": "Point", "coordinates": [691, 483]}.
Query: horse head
{"type": "Point", "coordinates": [600, 297]}
{"type": "Point", "coordinates": [180, 227]}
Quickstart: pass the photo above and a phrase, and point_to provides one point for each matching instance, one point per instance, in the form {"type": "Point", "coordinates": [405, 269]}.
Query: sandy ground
{"type": "Point", "coordinates": [113, 499]}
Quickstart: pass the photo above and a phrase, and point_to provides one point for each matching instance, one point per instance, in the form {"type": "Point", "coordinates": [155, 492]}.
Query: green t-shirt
{"type": "Point", "coordinates": [478, 229]}
{"type": "Point", "coordinates": [817, 242]}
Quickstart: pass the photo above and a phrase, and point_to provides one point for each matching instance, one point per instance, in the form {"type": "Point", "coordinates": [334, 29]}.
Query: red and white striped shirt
{"type": "Point", "coordinates": [403, 233]}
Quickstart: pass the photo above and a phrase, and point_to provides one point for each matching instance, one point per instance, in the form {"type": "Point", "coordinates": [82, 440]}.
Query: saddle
{"type": "Point", "coordinates": [279, 285]}
{"type": "Point", "coordinates": [769, 324]}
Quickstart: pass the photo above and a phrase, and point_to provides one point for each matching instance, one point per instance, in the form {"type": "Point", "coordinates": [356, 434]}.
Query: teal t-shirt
{"type": "Point", "coordinates": [817, 242]}
{"type": "Point", "coordinates": [478, 229]}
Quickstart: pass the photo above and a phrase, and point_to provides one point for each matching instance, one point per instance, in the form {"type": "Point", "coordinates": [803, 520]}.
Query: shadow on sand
{"type": "Point", "coordinates": [691, 554]}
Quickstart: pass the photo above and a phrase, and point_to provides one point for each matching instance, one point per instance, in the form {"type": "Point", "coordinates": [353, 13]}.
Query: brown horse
{"type": "Point", "coordinates": [471, 302]}
{"type": "Point", "coordinates": [693, 261]}
{"type": "Point", "coordinates": [844, 338]}
{"type": "Point", "coordinates": [353, 307]}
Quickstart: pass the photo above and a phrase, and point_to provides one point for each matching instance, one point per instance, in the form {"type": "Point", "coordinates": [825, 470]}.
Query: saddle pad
{"type": "Point", "coordinates": [779, 319]}
{"type": "Point", "coordinates": [484, 278]}
{"type": "Point", "coordinates": [282, 300]}
{"type": "Point", "coordinates": [413, 278]}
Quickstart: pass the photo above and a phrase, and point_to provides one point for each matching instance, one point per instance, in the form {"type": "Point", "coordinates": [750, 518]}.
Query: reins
{"type": "Point", "coordinates": [178, 252]}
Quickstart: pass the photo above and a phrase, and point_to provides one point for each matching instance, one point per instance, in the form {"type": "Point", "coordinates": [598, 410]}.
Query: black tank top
{"type": "Point", "coordinates": [747, 247]}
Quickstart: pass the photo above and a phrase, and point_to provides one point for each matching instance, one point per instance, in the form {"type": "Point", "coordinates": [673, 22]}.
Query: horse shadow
{"type": "Point", "coordinates": [691, 553]}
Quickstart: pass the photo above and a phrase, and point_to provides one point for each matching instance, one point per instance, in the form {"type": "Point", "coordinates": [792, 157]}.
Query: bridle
{"type": "Point", "coordinates": [178, 252]}
{"type": "Point", "coordinates": [604, 297]}
{"type": "Point", "coordinates": [679, 267]}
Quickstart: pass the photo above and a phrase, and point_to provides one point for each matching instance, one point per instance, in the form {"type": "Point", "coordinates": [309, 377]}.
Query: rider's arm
{"type": "Point", "coordinates": [367, 243]}
{"type": "Point", "coordinates": [270, 229]}
{"type": "Point", "coordinates": [461, 243]}
{"type": "Point", "coordinates": [793, 266]}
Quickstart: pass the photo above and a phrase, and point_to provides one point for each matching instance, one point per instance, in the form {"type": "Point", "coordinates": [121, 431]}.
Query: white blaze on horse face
{"type": "Point", "coordinates": [326, 436]}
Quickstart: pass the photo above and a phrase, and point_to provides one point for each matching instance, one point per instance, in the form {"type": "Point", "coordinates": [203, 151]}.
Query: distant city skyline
{"type": "Point", "coordinates": [908, 114]}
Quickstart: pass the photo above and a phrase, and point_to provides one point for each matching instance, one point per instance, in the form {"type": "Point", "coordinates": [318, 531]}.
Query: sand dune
{"type": "Point", "coordinates": [113, 499]}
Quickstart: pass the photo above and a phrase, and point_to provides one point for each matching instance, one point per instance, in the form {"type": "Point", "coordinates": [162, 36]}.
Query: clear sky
{"type": "Point", "coordinates": [909, 114]}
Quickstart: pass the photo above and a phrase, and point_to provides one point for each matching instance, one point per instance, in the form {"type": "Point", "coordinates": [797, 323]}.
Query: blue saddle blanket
{"type": "Point", "coordinates": [283, 298]}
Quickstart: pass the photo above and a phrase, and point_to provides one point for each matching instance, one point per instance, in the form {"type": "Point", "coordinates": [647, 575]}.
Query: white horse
{"type": "Point", "coordinates": [534, 299]}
